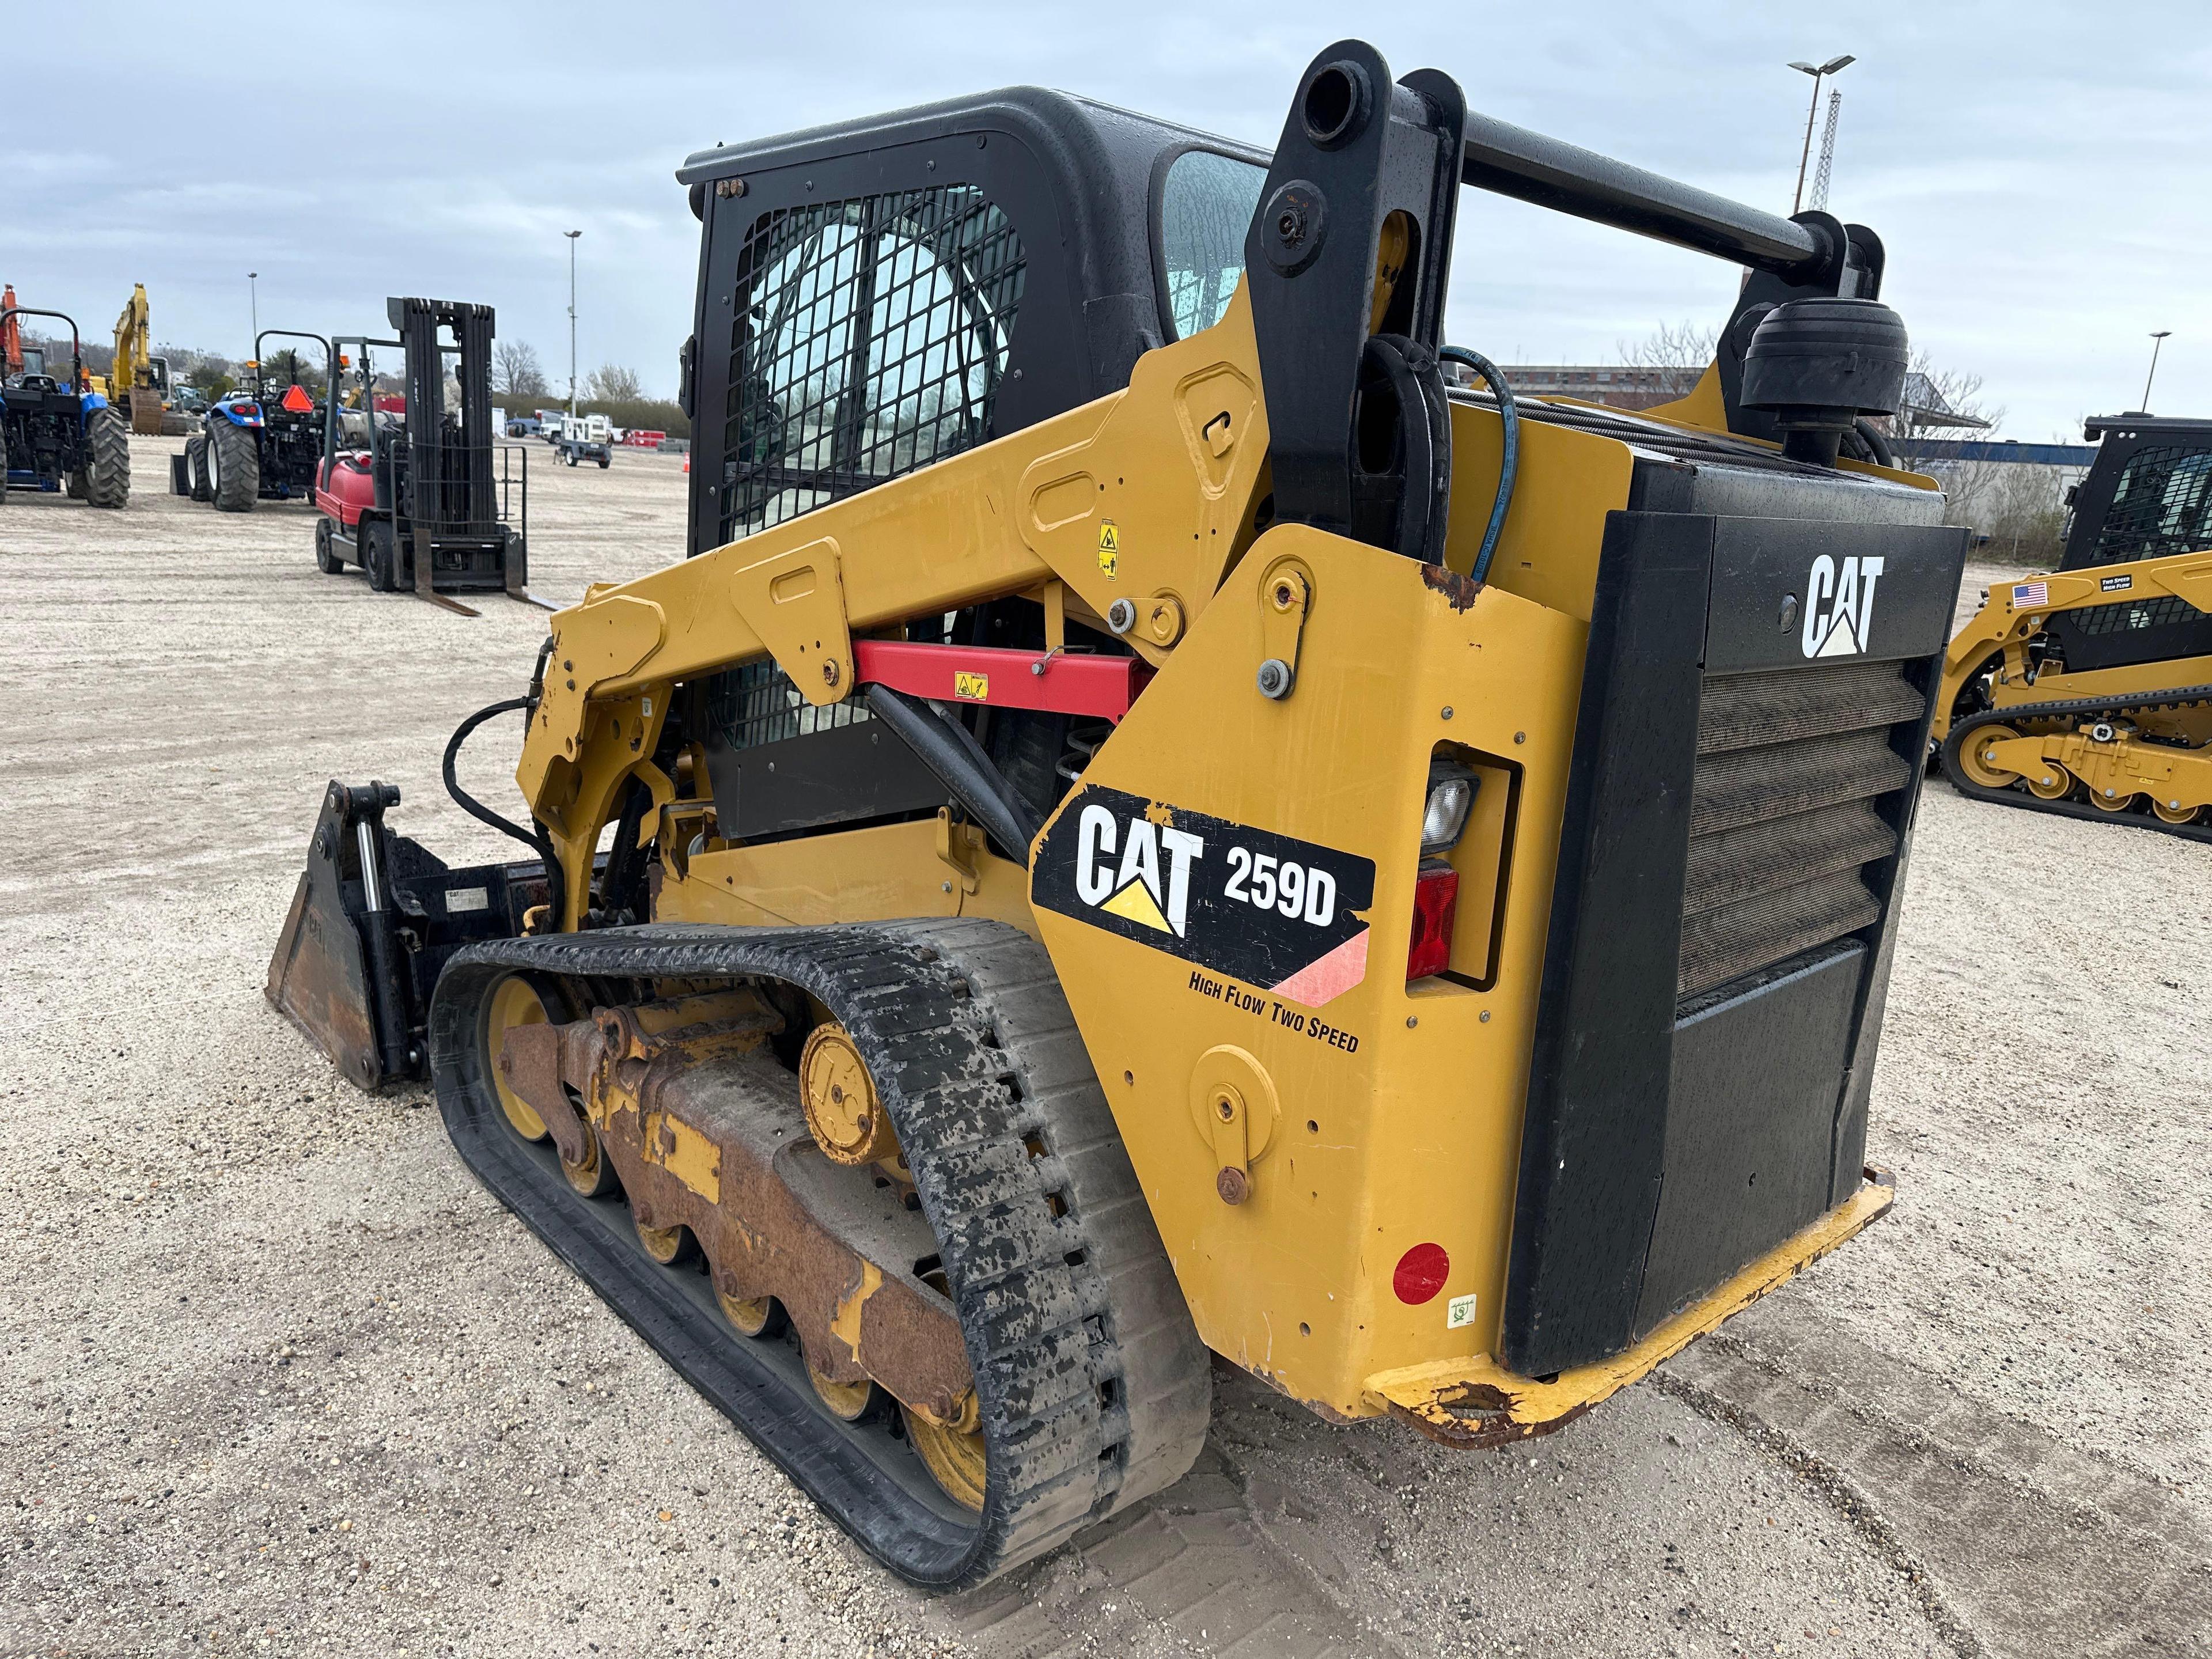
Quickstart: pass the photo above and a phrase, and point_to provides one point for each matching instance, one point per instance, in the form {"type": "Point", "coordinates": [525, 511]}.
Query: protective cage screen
{"type": "Point", "coordinates": [2162, 505]}
{"type": "Point", "coordinates": [870, 339]}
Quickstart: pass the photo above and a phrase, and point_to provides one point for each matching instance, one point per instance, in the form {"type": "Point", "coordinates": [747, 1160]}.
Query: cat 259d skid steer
{"type": "Point", "coordinates": [1148, 824]}
{"type": "Point", "coordinates": [2087, 691]}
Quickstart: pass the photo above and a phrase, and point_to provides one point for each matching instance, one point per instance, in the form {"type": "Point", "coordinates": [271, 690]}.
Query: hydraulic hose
{"type": "Point", "coordinates": [1509, 465]}
{"type": "Point", "coordinates": [950, 749]}
{"type": "Point", "coordinates": [468, 803]}
{"type": "Point", "coordinates": [535, 837]}
{"type": "Point", "coordinates": [1871, 435]}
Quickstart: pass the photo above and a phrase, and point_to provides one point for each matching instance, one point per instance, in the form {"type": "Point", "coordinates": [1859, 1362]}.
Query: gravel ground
{"type": "Point", "coordinates": [283, 1377]}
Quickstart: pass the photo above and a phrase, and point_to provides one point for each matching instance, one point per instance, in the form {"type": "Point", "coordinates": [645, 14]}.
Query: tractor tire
{"type": "Point", "coordinates": [3, 464]}
{"type": "Point", "coordinates": [326, 553]}
{"type": "Point", "coordinates": [107, 468]}
{"type": "Point", "coordinates": [378, 554]}
{"type": "Point", "coordinates": [74, 485]}
{"type": "Point", "coordinates": [196, 466]}
{"type": "Point", "coordinates": [233, 468]}
{"type": "Point", "coordinates": [604, 461]}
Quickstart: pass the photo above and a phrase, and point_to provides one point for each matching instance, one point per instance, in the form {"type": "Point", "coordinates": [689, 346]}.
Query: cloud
{"type": "Point", "coordinates": [2036, 180]}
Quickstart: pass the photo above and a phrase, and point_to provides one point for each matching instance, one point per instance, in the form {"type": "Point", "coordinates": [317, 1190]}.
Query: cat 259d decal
{"type": "Point", "coordinates": [1278, 914]}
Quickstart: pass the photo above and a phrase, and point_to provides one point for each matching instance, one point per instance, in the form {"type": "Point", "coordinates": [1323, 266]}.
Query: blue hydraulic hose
{"type": "Point", "coordinates": [1510, 465]}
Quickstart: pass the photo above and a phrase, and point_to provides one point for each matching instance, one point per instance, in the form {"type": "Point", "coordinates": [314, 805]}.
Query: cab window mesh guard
{"type": "Point", "coordinates": [870, 339]}
{"type": "Point", "coordinates": [758, 704]}
{"type": "Point", "coordinates": [2162, 505]}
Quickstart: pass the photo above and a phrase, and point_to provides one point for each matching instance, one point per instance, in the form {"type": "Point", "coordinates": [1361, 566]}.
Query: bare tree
{"type": "Point", "coordinates": [1672, 357]}
{"type": "Point", "coordinates": [1942, 402]}
{"type": "Point", "coordinates": [515, 370]}
{"type": "Point", "coordinates": [612, 383]}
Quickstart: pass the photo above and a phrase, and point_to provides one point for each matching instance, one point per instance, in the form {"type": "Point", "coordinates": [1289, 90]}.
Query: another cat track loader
{"type": "Point", "coordinates": [2087, 691]}
{"type": "Point", "coordinates": [1148, 824]}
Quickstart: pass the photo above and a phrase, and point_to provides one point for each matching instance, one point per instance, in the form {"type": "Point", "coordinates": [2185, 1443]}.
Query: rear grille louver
{"type": "Point", "coordinates": [1791, 768]}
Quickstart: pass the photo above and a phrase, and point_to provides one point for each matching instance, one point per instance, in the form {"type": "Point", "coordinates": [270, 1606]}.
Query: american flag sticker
{"type": "Point", "coordinates": [2025, 594]}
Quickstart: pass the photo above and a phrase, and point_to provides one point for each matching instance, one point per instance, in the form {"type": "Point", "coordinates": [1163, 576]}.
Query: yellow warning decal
{"type": "Point", "coordinates": [1110, 547]}
{"type": "Point", "coordinates": [977, 688]}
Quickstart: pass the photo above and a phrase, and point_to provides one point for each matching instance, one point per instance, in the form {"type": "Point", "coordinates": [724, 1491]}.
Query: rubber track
{"type": "Point", "coordinates": [1093, 1386]}
{"type": "Point", "coordinates": [2077, 709]}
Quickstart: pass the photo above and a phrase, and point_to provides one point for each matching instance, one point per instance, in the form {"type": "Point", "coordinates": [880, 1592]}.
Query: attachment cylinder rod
{"type": "Point", "coordinates": [1530, 167]}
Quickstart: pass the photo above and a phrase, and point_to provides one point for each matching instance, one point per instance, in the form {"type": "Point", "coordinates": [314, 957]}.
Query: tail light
{"type": "Point", "coordinates": [1436, 890]}
{"type": "Point", "coordinates": [1436, 901]}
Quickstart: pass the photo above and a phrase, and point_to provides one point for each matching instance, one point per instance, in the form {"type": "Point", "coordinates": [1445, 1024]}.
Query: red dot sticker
{"type": "Point", "coordinates": [1421, 1273]}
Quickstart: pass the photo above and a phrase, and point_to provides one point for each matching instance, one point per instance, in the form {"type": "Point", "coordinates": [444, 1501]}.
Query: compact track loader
{"type": "Point", "coordinates": [1148, 824]}
{"type": "Point", "coordinates": [2088, 691]}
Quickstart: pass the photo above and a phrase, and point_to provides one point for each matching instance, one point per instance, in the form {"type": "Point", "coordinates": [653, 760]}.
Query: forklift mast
{"type": "Point", "coordinates": [449, 488]}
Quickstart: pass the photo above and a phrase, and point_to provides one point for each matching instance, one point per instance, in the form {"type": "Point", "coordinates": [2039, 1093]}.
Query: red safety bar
{"type": "Point", "coordinates": [999, 678]}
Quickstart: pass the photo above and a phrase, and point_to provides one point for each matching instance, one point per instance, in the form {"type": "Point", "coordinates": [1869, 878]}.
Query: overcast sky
{"type": "Point", "coordinates": [2037, 171]}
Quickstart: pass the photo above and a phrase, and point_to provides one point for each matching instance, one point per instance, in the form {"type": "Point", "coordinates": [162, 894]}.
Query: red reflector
{"type": "Point", "coordinates": [1436, 900]}
{"type": "Point", "coordinates": [298, 401]}
{"type": "Point", "coordinates": [1421, 1273]}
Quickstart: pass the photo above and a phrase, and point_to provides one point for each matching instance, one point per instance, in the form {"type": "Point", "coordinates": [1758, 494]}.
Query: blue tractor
{"type": "Point", "coordinates": [56, 434]}
{"type": "Point", "coordinates": [257, 445]}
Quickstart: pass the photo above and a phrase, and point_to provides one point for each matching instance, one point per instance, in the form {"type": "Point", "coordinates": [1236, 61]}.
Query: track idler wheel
{"type": "Point", "coordinates": [1974, 758]}
{"type": "Point", "coordinates": [2173, 812]}
{"type": "Point", "coordinates": [513, 1002]}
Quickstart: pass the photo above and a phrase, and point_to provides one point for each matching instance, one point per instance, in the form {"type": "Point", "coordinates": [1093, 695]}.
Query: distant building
{"type": "Point", "coordinates": [1955, 462]}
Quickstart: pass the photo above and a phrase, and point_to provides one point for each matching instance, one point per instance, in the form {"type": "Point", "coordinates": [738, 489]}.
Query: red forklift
{"type": "Point", "coordinates": [425, 499]}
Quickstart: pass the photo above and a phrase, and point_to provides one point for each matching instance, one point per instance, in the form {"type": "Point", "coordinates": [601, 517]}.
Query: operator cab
{"type": "Point", "coordinates": [880, 293]}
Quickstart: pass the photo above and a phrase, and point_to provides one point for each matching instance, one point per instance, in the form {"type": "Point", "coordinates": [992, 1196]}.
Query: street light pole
{"type": "Point", "coordinates": [1818, 71]}
{"type": "Point", "coordinates": [571, 236]}
{"type": "Point", "coordinates": [2155, 339]}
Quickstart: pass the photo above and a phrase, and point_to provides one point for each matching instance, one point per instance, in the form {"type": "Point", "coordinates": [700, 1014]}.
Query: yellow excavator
{"type": "Point", "coordinates": [1153, 821]}
{"type": "Point", "coordinates": [139, 381]}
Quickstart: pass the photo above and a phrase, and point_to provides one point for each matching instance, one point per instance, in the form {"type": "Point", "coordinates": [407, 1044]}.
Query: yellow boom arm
{"type": "Point", "coordinates": [1145, 496]}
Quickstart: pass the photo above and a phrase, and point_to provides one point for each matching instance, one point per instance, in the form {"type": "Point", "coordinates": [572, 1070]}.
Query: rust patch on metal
{"type": "Point", "coordinates": [1477, 1418]}
{"type": "Point", "coordinates": [675, 1087]}
{"type": "Point", "coordinates": [1459, 590]}
{"type": "Point", "coordinates": [532, 1059]}
{"type": "Point", "coordinates": [318, 980]}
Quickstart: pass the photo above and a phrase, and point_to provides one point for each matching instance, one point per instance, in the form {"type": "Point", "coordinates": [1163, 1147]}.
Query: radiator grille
{"type": "Point", "coordinates": [1792, 766]}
